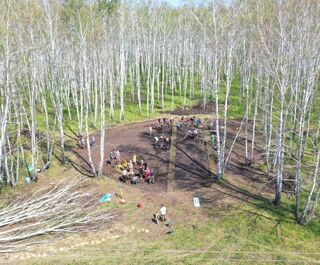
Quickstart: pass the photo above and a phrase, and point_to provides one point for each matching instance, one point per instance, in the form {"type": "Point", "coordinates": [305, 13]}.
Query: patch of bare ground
{"type": "Point", "coordinates": [192, 174]}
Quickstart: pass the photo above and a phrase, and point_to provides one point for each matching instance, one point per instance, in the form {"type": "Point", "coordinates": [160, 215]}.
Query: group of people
{"type": "Point", "coordinates": [82, 141]}
{"type": "Point", "coordinates": [114, 155]}
{"type": "Point", "coordinates": [189, 122]}
{"type": "Point", "coordinates": [135, 172]}
{"type": "Point", "coordinates": [191, 134]}
{"type": "Point", "coordinates": [159, 123]}
{"type": "Point", "coordinates": [162, 142]}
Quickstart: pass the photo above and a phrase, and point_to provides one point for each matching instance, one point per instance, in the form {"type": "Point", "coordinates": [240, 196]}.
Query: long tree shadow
{"type": "Point", "coordinates": [77, 166]}
{"type": "Point", "coordinates": [197, 149]}
{"type": "Point", "coordinates": [235, 191]}
{"type": "Point", "coordinates": [204, 176]}
{"type": "Point", "coordinates": [244, 166]}
{"type": "Point", "coordinates": [75, 137]}
{"type": "Point", "coordinates": [223, 183]}
{"type": "Point", "coordinates": [83, 167]}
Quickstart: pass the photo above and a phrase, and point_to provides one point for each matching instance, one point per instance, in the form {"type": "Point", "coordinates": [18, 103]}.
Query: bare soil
{"type": "Point", "coordinates": [130, 139]}
{"type": "Point", "coordinates": [192, 173]}
{"type": "Point", "coordinates": [200, 108]}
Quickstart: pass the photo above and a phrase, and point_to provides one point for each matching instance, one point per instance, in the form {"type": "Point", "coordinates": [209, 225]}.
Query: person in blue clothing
{"type": "Point", "coordinates": [93, 141]}
{"type": "Point", "coordinates": [179, 125]}
{"type": "Point", "coordinates": [198, 122]}
{"type": "Point", "coordinates": [150, 178]}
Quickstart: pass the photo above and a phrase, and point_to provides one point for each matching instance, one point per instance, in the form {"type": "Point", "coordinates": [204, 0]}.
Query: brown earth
{"type": "Point", "coordinates": [130, 139]}
{"type": "Point", "coordinates": [192, 173]}
{"type": "Point", "coordinates": [200, 108]}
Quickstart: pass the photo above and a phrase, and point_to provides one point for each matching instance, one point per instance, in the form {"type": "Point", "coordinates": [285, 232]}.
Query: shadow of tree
{"type": "Point", "coordinates": [83, 168]}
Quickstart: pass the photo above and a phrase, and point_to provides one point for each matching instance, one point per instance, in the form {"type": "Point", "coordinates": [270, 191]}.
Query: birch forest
{"type": "Point", "coordinates": [85, 63]}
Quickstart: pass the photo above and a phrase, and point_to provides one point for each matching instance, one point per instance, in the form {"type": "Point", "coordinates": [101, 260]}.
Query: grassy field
{"type": "Point", "coordinates": [242, 233]}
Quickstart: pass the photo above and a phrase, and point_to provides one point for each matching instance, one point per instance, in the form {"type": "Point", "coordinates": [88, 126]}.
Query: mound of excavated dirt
{"type": "Point", "coordinates": [200, 108]}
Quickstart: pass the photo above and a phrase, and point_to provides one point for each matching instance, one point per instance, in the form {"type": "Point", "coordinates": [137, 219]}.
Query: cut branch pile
{"type": "Point", "coordinates": [60, 209]}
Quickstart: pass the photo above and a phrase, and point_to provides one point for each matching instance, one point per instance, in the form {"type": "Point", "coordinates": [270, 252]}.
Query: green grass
{"type": "Point", "coordinates": [240, 232]}
{"type": "Point", "coordinates": [239, 238]}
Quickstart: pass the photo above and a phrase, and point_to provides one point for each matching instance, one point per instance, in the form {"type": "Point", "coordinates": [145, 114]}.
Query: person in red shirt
{"type": "Point", "coordinates": [147, 173]}
{"type": "Point", "coordinates": [150, 179]}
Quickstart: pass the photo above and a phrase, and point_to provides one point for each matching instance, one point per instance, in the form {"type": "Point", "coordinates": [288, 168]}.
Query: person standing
{"type": "Point", "coordinates": [124, 175]}
{"type": "Point", "coordinates": [111, 157]}
{"type": "Point", "coordinates": [93, 141]}
{"type": "Point", "coordinates": [130, 165]}
{"type": "Point", "coordinates": [118, 155]}
{"type": "Point", "coordinates": [141, 169]}
{"type": "Point", "coordinates": [134, 158]}
{"type": "Point", "coordinates": [151, 177]}
{"type": "Point", "coordinates": [156, 142]}
{"type": "Point", "coordinates": [168, 142]}
{"type": "Point", "coordinates": [150, 130]}
{"type": "Point", "coordinates": [163, 212]}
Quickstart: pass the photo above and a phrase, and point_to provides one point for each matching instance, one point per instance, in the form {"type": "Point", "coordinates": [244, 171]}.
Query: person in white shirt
{"type": "Point", "coordinates": [156, 141]}
{"type": "Point", "coordinates": [118, 155]}
{"type": "Point", "coordinates": [134, 159]}
{"type": "Point", "coordinates": [162, 213]}
{"type": "Point", "coordinates": [130, 165]}
{"type": "Point", "coordinates": [195, 133]}
{"type": "Point", "coordinates": [124, 175]}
